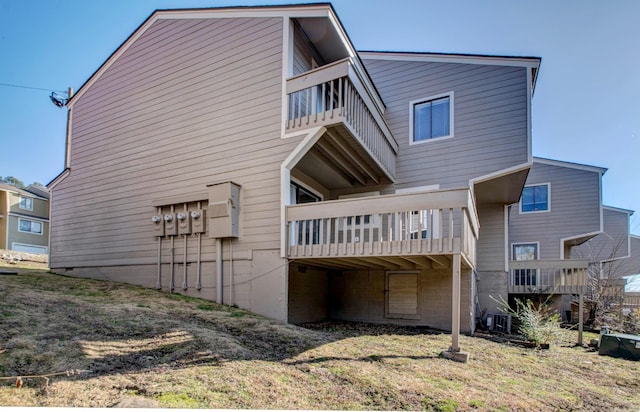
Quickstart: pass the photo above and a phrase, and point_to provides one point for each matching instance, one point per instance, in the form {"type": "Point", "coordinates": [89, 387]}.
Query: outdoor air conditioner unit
{"type": "Point", "coordinates": [499, 322]}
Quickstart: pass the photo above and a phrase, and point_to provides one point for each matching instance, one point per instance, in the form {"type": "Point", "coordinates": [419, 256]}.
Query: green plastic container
{"type": "Point", "coordinates": [620, 346]}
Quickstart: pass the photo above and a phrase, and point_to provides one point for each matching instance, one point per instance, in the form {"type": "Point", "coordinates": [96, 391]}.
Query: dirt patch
{"type": "Point", "coordinates": [130, 401]}
{"type": "Point", "coordinates": [14, 257]}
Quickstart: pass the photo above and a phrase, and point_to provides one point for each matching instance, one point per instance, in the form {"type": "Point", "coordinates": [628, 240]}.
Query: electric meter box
{"type": "Point", "coordinates": [170, 224]}
{"type": "Point", "coordinates": [184, 223]}
{"type": "Point", "coordinates": [158, 225]}
{"type": "Point", "coordinates": [224, 210]}
{"type": "Point", "coordinates": [197, 221]}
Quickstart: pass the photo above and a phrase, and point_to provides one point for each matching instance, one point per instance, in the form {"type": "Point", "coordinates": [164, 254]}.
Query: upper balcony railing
{"type": "Point", "coordinates": [549, 276]}
{"type": "Point", "coordinates": [427, 223]}
{"type": "Point", "coordinates": [334, 94]}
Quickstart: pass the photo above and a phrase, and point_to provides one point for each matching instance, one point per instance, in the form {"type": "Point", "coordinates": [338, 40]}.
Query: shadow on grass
{"type": "Point", "coordinates": [369, 359]}
{"type": "Point", "coordinates": [55, 323]}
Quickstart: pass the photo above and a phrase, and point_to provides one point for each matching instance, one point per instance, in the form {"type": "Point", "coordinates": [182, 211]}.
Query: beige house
{"type": "Point", "coordinates": [252, 156]}
{"type": "Point", "coordinates": [24, 219]}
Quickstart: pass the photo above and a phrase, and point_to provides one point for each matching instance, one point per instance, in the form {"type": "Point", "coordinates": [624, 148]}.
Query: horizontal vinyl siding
{"type": "Point", "coordinates": [574, 209]}
{"type": "Point", "coordinates": [40, 206]}
{"type": "Point", "coordinates": [24, 237]}
{"type": "Point", "coordinates": [490, 119]}
{"type": "Point", "coordinates": [616, 226]}
{"type": "Point", "coordinates": [631, 265]}
{"type": "Point", "coordinates": [490, 246]}
{"type": "Point", "coordinates": [611, 244]}
{"type": "Point", "coordinates": [302, 53]}
{"type": "Point", "coordinates": [190, 103]}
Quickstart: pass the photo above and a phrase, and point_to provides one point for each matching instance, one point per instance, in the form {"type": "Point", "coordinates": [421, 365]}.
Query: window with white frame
{"type": "Point", "coordinates": [26, 203]}
{"type": "Point", "coordinates": [525, 251]}
{"type": "Point", "coordinates": [535, 198]}
{"type": "Point", "coordinates": [431, 118]}
{"type": "Point", "coordinates": [29, 226]}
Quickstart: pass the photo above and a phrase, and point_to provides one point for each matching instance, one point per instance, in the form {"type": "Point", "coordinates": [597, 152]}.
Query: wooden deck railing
{"type": "Point", "coordinates": [335, 94]}
{"type": "Point", "coordinates": [427, 223]}
{"type": "Point", "coordinates": [548, 276]}
{"type": "Point", "coordinates": [631, 300]}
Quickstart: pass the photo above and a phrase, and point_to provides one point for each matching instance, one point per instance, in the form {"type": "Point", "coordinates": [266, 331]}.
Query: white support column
{"type": "Point", "coordinates": [454, 352]}
{"type": "Point", "coordinates": [219, 269]}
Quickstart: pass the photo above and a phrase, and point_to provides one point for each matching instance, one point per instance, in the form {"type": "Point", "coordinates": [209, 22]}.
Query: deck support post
{"type": "Point", "coordinates": [580, 318]}
{"type": "Point", "coordinates": [455, 305]}
{"type": "Point", "coordinates": [454, 352]}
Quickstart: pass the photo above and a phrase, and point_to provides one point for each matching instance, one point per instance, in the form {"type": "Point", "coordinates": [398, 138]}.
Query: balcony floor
{"type": "Point", "coordinates": [412, 254]}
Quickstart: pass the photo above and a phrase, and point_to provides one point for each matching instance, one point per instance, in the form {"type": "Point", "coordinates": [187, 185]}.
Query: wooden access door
{"type": "Point", "coordinates": [402, 295]}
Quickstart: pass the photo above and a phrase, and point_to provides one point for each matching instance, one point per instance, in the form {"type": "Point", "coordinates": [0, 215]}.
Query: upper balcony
{"type": "Point", "coordinates": [403, 231]}
{"type": "Point", "coordinates": [336, 96]}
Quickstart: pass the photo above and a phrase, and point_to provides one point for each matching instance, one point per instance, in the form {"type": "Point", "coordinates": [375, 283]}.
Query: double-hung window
{"type": "Point", "coordinates": [26, 203]}
{"type": "Point", "coordinates": [29, 226]}
{"type": "Point", "coordinates": [535, 198]}
{"type": "Point", "coordinates": [431, 118]}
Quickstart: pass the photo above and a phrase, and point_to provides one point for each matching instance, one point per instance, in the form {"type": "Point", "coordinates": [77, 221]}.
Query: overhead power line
{"type": "Point", "coordinates": [31, 88]}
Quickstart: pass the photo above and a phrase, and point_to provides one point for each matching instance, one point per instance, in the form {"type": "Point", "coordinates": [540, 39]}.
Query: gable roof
{"type": "Point", "coordinates": [562, 163]}
{"type": "Point", "coordinates": [295, 11]}
{"type": "Point", "coordinates": [467, 58]}
{"type": "Point", "coordinates": [530, 62]}
{"type": "Point", "coordinates": [618, 209]}
{"type": "Point", "coordinates": [22, 192]}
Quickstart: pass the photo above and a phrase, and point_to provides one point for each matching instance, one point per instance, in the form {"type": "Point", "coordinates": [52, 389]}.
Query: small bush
{"type": "Point", "coordinates": [536, 324]}
{"type": "Point", "coordinates": [632, 322]}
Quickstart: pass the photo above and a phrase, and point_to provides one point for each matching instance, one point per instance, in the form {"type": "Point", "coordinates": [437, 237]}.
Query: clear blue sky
{"type": "Point", "coordinates": [586, 107]}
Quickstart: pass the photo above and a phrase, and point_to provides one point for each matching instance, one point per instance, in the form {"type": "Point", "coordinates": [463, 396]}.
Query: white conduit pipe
{"type": "Point", "coordinates": [158, 281]}
{"type": "Point", "coordinates": [184, 256]}
{"type": "Point", "coordinates": [231, 300]}
{"type": "Point", "coordinates": [198, 277]}
{"type": "Point", "coordinates": [172, 285]}
{"type": "Point", "coordinates": [219, 282]}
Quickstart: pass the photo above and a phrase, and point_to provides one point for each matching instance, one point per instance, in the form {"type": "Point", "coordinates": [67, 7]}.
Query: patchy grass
{"type": "Point", "coordinates": [141, 347]}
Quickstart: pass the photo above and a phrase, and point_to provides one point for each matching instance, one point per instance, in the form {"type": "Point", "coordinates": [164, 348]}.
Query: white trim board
{"type": "Point", "coordinates": [571, 165]}
{"type": "Point", "coordinates": [531, 62]}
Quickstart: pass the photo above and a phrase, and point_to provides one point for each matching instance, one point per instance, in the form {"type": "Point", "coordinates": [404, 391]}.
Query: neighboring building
{"type": "Point", "coordinates": [610, 250]}
{"type": "Point", "coordinates": [560, 208]}
{"type": "Point", "coordinates": [24, 219]}
{"type": "Point", "coordinates": [559, 222]}
{"type": "Point", "coordinates": [614, 256]}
